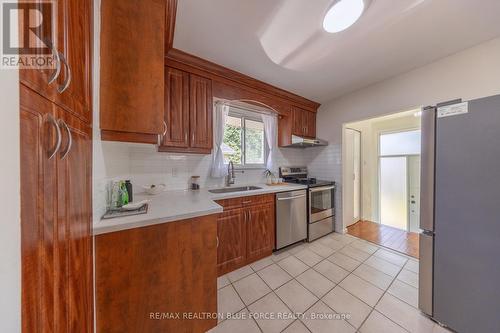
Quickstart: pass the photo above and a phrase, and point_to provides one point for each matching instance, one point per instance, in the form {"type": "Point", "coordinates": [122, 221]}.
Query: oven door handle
{"type": "Point", "coordinates": [321, 189]}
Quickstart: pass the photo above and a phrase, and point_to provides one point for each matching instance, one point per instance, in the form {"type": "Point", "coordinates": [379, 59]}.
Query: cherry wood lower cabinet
{"type": "Point", "coordinates": [146, 275]}
{"type": "Point", "coordinates": [231, 235]}
{"type": "Point", "coordinates": [260, 231]}
{"type": "Point", "coordinates": [56, 242]}
{"type": "Point", "coordinates": [245, 231]}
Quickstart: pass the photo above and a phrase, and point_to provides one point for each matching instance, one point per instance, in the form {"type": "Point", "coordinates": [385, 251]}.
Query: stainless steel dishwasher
{"type": "Point", "coordinates": [291, 218]}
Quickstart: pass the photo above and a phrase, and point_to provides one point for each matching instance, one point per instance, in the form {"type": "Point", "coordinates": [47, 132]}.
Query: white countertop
{"type": "Point", "coordinates": [178, 205]}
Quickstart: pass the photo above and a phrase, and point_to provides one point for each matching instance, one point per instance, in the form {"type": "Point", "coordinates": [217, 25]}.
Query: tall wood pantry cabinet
{"type": "Point", "coordinates": [56, 179]}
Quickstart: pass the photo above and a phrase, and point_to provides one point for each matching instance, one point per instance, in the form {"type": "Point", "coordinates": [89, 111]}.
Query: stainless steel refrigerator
{"type": "Point", "coordinates": [459, 280]}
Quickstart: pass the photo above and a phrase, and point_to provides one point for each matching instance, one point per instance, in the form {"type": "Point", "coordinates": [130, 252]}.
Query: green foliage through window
{"type": "Point", "coordinates": [244, 140]}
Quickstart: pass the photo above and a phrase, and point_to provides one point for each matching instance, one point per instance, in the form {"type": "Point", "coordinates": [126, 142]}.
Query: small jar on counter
{"type": "Point", "coordinates": [195, 182]}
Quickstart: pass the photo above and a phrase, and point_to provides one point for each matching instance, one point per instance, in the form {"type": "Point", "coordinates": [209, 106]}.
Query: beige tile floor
{"type": "Point", "coordinates": [338, 283]}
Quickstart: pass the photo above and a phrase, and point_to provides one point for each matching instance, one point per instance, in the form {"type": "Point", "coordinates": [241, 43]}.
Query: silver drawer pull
{"type": "Point", "coordinates": [247, 202]}
{"type": "Point", "coordinates": [290, 198]}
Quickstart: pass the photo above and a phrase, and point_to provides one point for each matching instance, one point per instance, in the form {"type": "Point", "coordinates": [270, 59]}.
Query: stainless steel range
{"type": "Point", "coordinates": [320, 199]}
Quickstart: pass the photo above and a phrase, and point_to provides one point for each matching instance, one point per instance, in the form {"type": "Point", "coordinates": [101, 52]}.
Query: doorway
{"type": "Point", "coordinates": [382, 204]}
{"type": "Point", "coordinates": [353, 175]}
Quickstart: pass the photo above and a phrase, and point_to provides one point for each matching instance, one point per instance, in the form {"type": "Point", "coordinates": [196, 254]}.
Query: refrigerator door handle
{"type": "Point", "coordinates": [428, 168]}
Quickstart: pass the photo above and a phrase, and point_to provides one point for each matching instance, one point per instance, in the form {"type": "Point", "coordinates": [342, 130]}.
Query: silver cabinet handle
{"type": "Point", "coordinates": [249, 215]}
{"type": "Point", "coordinates": [70, 139]}
{"type": "Point", "coordinates": [217, 241]}
{"type": "Point", "coordinates": [53, 121]}
{"type": "Point", "coordinates": [62, 88]}
{"type": "Point", "coordinates": [294, 197]}
{"type": "Point", "coordinates": [164, 128]}
{"type": "Point", "coordinates": [247, 202]}
{"type": "Point", "coordinates": [57, 70]}
{"type": "Point", "coordinates": [319, 189]}
{"type": "Point", "coordinates": [162, 135]}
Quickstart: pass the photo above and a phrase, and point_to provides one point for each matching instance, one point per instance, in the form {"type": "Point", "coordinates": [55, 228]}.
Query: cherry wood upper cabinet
{"type": "Point", "coordinates": [75, 47]}
{"type": "Point", "coordinates": [43, 80]}
{"type": "Point", "coordinates": [68, 34]}
{"type": "Point", "coordinates": [132, 68]}
{"type": "Point", "coordinates": [176, 108]}
{"type": "Point", "coordinates": [297, 121]}
{"type": "Point", "coordinates": [188, 113]}
{"type": "Point", "coordinates": [303, 123]}
{"type": "Point", "coordinates": [310, 121]}
{"type": "Point", "coordinates": [200, 112]}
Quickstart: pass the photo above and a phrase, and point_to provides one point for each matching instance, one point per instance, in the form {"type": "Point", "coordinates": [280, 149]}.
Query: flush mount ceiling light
{"type": "Point", "coordinates": [343, 14]}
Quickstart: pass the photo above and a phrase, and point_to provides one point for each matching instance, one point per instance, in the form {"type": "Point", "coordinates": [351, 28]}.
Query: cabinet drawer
{"type": "Point", "coordinates": [257, 199]}
{"type": "Point", "coordinates": [240, 202]}
{"type": "Point", "coordinates": [229, 204]}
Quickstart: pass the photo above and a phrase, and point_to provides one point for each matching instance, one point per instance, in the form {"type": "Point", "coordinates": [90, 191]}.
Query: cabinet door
{"type": "Point", "coordinates": [132, 66]}
{"type": "Point", "coordinates": [38, 211]}
{"type": "Point", "coordinates": [74, 274]}
{"type": "Point", "coordinates": [176, 108]}
{"type": "Point", "coordinates": [298, 124]}
{"type": "Point", "coordinates": [75, 45]}
{"type": "Point", "coordinates": [260, 231]}
{"type": "Point", "coordinates": [231, 233]}
{"type": "Point", "coordinates": [310, 123]}
{"type": "Point", "coordinates": [45, 36]}
{"type": "Point", "coordinates": [200, 112]}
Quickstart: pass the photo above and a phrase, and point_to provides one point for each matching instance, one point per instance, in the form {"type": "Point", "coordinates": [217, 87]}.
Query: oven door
{"type": "Point", "coordinates": [320, 203]}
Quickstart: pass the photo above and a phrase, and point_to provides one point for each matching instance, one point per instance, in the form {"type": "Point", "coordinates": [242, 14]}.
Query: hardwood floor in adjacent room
{"type": "Point", "coordinates": [392, 238]}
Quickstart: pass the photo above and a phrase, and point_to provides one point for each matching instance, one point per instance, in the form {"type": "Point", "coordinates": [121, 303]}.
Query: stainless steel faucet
{"type": "Point", "coordinates": [230, 173]}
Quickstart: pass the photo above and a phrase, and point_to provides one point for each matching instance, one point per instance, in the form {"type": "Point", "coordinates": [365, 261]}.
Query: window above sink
{"type": "Point", "coordinates": [244, 140]}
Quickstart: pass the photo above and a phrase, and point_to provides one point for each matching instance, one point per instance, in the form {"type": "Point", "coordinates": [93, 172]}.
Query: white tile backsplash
{"type": "Point", "coordinates": [144, 165]}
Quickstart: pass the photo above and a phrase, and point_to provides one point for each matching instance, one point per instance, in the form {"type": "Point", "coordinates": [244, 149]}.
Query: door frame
{"type": "Point", "coordinates": [344, 175]}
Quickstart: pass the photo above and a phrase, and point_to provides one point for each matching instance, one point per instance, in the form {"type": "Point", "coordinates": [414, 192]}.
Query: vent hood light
{"type": "Point", "coordinates": [342, 15]}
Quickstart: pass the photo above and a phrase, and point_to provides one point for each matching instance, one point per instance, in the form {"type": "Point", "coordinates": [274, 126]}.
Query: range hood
{"type": "Point", "coordinates": [301, 142]}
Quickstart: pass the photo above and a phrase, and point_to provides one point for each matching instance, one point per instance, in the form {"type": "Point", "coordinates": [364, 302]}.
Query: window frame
{"type": "Point", "coordinates": [254, 116]}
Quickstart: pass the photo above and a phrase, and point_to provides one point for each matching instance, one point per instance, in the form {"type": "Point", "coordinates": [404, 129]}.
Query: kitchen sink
{"type": "Point", "coordinates": [235, 189]}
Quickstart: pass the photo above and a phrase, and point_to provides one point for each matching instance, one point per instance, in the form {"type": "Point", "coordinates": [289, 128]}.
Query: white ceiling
{"type": "Point", "coordinates": [281, 42]}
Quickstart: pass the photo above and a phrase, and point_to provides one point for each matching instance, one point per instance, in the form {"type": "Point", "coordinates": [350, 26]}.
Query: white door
{"type": "Point", "coordinates": [399, 179]}
{"type": "Point", "coordinates": [394, 192]}
{"type": "Point", "coordinates": [352, 177]}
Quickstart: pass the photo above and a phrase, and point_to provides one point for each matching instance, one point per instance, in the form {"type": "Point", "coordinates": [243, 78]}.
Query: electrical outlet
{"type": "Point", "coordinates": [174, 172]}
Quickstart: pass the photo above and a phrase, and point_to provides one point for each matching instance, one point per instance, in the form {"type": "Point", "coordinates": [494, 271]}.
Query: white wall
{"type": "Point", "coordinates": [10, 232]}
{"type": "Point", "coordinates": [469, 74]}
